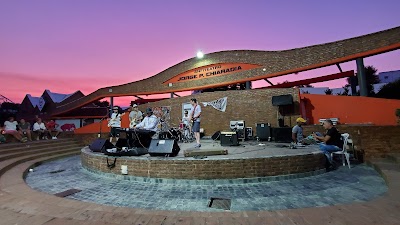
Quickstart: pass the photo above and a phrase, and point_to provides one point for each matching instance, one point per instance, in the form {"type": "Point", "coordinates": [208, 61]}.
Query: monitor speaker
{"type": "Point", "coordinates": [282, 134]}
{"type": "Point", "coordinates": [263, 131]}
{"type": "Point", "coordinates": [229, 139]}
{"type": "Point", "coordinates": [164, 147]}
{"type": "Point", "coordinates": [100, 145]}
{"type": "Point", "coordinates": [282, 100]}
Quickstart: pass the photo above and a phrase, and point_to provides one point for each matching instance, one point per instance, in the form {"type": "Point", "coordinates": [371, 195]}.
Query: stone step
{"type": "Point", "coordinates": [31, 151]}
{"type": "Point", "coordinates": [395, 157]}
{"type": "Point", "coordinates": [35, 144]}
{"type": "Point", "coordinates": [9, 163]}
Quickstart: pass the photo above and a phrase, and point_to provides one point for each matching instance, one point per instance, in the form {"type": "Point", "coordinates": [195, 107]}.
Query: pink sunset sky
{"type": "Point", "coordinates": [65, 45]}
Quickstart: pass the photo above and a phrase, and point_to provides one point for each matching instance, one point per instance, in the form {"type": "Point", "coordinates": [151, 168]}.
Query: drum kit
{"type": "Point", "coordinates": [181, 133]}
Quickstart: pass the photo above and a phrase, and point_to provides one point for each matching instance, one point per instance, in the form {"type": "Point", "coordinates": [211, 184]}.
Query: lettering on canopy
{"type": "Point", "coordinates": [211, 71]}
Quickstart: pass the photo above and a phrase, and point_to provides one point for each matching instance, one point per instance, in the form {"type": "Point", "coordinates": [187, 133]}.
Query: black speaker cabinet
{"type": "Point", "coordinates": [164, 147]}
{"type": "Point", "coordinates": [282, 100]}
{"type": "Point", "coordinates": [229, 138]}
{"type": "Point", "coordinates": [100, 145]}
{"type": "Point", "coordinates": [282, 134]}
{"type": "Point", "coordinates": [263, 131]}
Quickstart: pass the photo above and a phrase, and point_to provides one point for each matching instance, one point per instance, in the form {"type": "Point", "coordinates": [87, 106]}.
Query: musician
{"type": "Point", "coordinates": [195, 113]}
{"type": "Point", "coordinates": [115, 123]}
{"type": "Point", "coordinates": [150, 122]}
{"type": "Point", "coordinates": [186, 123]}
{"type": "Point", "coordinates": [135, 116]}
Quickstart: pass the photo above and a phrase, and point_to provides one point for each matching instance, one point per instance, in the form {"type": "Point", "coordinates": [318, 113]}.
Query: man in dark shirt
{"type": "Point", "coordinates": [331, 142]}
{"type": "Point", "coordinates": [25, 128]}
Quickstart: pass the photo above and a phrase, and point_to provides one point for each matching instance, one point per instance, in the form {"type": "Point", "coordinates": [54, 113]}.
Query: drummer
{"type": "Point", "coordinates": [185, 119]}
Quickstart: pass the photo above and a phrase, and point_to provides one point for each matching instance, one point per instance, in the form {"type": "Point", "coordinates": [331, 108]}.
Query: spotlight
{"type": "Point", "coordinates": [200, 54]}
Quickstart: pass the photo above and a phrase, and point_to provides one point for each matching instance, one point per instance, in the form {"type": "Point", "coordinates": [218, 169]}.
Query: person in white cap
{"type": "Point", "coordinates": [135, 116]}
{"type": "Point", "coordinates": [115, 123]}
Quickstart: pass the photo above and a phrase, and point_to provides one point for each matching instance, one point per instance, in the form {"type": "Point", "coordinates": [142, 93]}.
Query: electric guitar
{"type": "Point", "coordinates": [118, 117]}
{"type": "Point", "coordinates": [133, 123]}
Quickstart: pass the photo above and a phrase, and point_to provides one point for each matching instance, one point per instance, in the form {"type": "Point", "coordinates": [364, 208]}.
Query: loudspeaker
{"type": "Point", "coordinates": [282, 100]}
{"type": "Point", "coordinates": [216, 135]}
{"type": "Point", "coordinates": [263, 131]}
{"type": "Point", "coordinates": [229, 139]}
{"type": "Point", "coordinates": [282, 134]}
{"type": "Point", "coordinates": [122, 142]}
{"type": "Point", "coordinates": [164, 147]}
{"type": "Point", "coordinates": [100, 145]}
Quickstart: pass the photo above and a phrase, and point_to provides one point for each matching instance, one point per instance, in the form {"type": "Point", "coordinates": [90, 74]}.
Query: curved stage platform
{"type": "Point", "coordinates": [249, 160]}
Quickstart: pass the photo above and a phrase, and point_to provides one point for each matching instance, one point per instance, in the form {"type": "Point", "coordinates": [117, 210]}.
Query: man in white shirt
{"type": "Point", "coordinates": [10, 127]}
{"type": "Point", "coordinates": [150, 122]}
{"type": "Point", "coordinates": [135, 116]}
{"type": "Point", "coordinates": [195, 113]}
{"type": "Point", "coordinates": [40, 129]}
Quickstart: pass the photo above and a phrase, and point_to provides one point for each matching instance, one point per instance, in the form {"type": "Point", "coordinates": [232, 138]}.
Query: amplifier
{"type": "Point", "coordinates": [282, 134]}
{"type": "Point", "coordinates": [263, 131]}
{"type": "Point", "coordinates": [229, 138]}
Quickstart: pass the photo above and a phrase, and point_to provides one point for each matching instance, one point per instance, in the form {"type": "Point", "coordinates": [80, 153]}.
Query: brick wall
{"type": "Point", "coordinates": [252, 106]}
{"type": "Point", "coordinates": [372, 141]}
{"type": "Point", "coordinates": [206, 169]}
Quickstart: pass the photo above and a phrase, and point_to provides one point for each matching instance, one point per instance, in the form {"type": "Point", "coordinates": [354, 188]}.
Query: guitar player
{"type": "Point", "coordinates": [115, 123]}
{"type": "Point", "coordinates": [135, 116]}
{"type": "Point", "coordinates": [195, 113]}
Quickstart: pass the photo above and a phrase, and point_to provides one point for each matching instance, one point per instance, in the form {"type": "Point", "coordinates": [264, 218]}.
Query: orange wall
{"type": "Point", "coordinates": [350, 109]}
{"type": "Point", "coordinates": [95, 127]}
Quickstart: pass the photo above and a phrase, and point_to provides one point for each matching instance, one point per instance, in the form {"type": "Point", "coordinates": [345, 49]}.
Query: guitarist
{"type": "Point", "coordinates": [195, 113]}
{"type": "Point", "coordinates": [115, 123]}
{"type": "Point", "coordinates": [135, 116]}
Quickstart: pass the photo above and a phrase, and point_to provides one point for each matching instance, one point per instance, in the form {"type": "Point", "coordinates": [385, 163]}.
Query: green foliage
{"type": "Point", "coordinates": [328, 91]}
{"type": "Point", "coordinates": [390, 90]}
{"type": "Point", "coordinates": [398, 112]}
{"type": "Point", "coordinates": [371, 73]}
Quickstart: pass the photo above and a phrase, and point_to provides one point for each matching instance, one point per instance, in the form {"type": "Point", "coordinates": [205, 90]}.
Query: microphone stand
{"type": "Point", "coordinates": [101, 120]}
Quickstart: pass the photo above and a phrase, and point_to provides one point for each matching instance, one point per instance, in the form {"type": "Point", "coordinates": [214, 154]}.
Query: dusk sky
{"type": "Point", "coordinates": [70, 45]}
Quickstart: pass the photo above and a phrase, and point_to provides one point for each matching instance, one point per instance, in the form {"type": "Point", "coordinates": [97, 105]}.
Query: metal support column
{"type": "Point", "coordinates": [248, 85]}
{"type": "Point", "coordinates": [362, 80]}
{"type": "Point", "coordinates": [172, 95]}
{"type": "Point", "coordinates": [111, 104]}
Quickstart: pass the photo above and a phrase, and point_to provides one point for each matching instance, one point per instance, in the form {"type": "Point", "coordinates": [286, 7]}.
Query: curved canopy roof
{"type": "Point", "coordinates": [230, 67]}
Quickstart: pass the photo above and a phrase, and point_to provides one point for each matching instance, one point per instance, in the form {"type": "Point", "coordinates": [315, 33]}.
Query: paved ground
{"type": "Point", "coordinates": [361, 183]}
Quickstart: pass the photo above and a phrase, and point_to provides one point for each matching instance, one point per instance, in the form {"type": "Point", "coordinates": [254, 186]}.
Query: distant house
{"type": "Point", "coordinates": [390, 76]}
{"type": "Point", "coordinates": [44, 106]}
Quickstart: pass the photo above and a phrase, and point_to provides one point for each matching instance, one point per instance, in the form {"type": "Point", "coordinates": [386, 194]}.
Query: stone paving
{"type": "Point", "coordinates": [343, 186]}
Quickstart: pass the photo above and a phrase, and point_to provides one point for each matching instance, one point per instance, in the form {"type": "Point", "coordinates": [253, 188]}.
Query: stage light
{"type": "Point", "coordinates": [200, 54]}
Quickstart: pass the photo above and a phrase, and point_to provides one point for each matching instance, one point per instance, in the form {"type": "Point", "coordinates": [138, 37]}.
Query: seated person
{"type": "Point", "coordinates": [150, 122]}
{"type": "Point", "coordinates": [331, 142]}
{"type": "Point", "coordinates": [297, 131]}
{"type": "Point", "coordinates": [40, 129]}
{"type": "Point", "coordinates": [53, 127]}
{"type": "Point", "coordinates": [25, 129]}
{"type": "Point", "coordinates": [10, 127]}
{"type": "Point", "coordinates": [2, 138]}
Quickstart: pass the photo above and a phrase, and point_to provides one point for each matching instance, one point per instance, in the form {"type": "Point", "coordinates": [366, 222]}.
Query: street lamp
{"type": "Point", "coordinates": [200, 54]}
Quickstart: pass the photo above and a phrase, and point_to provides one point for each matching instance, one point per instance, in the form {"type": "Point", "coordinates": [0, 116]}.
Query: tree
{"type": "Point", "coordinates": [104, 103]}
{"type": "Point", "coordinates": [328, 91]}
{"type": "Point", "coordinates": [305, 86]}
{"type": "Point", "coordinates": [372, 78]}
{"type": "Point", "coordinates": [390, 90]}
{"type": "Point", "coordinates": [346, 90]}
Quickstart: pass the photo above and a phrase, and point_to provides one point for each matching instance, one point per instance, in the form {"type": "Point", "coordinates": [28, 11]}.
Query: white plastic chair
{"type": "Point", "coordinates": [344, 152]}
